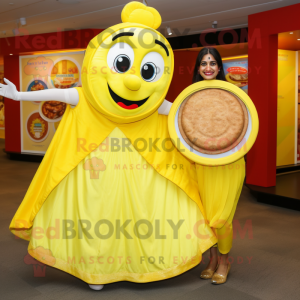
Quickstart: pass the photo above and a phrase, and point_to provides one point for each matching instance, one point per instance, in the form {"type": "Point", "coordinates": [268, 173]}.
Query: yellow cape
{"type": "Point", "coordinates": [81, 130]}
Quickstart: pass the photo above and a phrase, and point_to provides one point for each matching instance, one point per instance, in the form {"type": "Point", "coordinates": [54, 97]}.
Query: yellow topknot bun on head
{"type": "Point", "coordinates": [137, 12]}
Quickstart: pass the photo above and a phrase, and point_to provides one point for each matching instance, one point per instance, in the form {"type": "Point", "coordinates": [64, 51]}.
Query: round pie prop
{"type": "Point", "coordinates": [213, 122]}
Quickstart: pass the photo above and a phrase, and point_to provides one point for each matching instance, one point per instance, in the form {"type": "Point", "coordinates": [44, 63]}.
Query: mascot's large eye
{"type": "Point", "coordinates": [149, 71]}
{"type": "Point", "coordinates": [152, 67]}
{"type": "Point", "coordinates": [122, 63]}
{"type": "Point", "coordinates": [120, 57]}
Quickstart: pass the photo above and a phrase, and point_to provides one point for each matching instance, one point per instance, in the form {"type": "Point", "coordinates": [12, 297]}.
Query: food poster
{"type": "Point", "coordinates": [236, 72]}
{"type": "Point", "coordinates": [298, 127]}
{"type": "Point", "coordinates": [40, 120]}
{"type": "Point", "coordinates": [2, 133]}
{"type": "Point", "coordinates": [286, 109]}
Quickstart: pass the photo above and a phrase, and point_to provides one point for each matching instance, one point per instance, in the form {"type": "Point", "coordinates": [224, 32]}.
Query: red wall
{"type": "Point", "coordinates": [12, 108]}
{"type": "Point", "coordinates": [263, 29]}
{"type": "Point", "coordinates": [29, 44]}
{"type": "Point", "coordinates": [184, 62]}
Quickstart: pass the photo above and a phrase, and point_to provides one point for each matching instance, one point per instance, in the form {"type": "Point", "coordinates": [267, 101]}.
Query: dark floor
{"type": "Point", "coordinates": [265, 262]}
{"type": "Point", "coordinates": [285, 194]}
{"type": "Point", "coordinates": [287, 185]}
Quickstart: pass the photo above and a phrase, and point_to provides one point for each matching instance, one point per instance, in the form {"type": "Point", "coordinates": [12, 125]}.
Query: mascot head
{"type": "Point", "coordinates": [128, 68]}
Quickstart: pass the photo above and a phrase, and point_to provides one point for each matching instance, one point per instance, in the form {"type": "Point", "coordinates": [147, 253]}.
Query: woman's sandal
{"type": "Point", "coordinates": [218, 278]}
{"type": "Point", "coordinates": [208, 273]}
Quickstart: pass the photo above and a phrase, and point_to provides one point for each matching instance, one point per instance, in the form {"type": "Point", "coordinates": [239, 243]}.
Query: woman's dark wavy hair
{"type": "Point", "coordinates": [215, 53]}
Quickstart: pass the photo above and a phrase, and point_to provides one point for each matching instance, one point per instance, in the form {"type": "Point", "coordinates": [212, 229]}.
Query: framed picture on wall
{"type": "Point", "coordinates": [298, 91]}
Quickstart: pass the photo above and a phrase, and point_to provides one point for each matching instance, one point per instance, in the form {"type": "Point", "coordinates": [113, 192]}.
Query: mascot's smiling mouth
{"type": "Point", "coordinates": [127, 104]}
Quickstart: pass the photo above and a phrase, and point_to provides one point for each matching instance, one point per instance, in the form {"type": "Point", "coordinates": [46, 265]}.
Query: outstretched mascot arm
{"type": "Point", "coordinates": [69, 96]}
{"type": "Point", "coordinates": [164, 109]}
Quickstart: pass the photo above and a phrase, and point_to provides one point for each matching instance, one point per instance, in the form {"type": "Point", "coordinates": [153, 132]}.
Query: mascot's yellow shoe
{"type": "Point", "coordinates": [113, 199]}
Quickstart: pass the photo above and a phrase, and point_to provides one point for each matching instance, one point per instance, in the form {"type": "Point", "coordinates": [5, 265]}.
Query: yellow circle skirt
{"type": "Point", "coordinates": [115, 218]}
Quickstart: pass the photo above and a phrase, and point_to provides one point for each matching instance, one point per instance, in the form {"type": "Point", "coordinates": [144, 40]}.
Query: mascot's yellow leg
{"type": "Point", "coordinates": [220, 188]}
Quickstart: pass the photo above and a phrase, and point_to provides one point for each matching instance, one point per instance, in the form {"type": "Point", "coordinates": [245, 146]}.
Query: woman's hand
{"type": "Point", "coordinates": [9, 90]}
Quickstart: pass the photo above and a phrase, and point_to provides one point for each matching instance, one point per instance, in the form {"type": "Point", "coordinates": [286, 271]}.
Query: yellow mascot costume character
{"type": "Point", "coordinates": [113, 199]}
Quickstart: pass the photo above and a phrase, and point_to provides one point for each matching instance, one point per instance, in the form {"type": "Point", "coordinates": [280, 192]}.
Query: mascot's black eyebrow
{"type": "Point", "coordinates": [163, 45]}
{"type": "Point", "coordinates": [123, 34]}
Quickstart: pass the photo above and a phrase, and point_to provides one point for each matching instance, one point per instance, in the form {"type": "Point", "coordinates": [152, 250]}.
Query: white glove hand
{"type": "Point", "coordinates": [9, 90]}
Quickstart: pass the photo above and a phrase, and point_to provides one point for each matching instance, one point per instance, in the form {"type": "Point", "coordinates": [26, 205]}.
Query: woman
{"type": "Point", "coordinates": [220, 187]}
